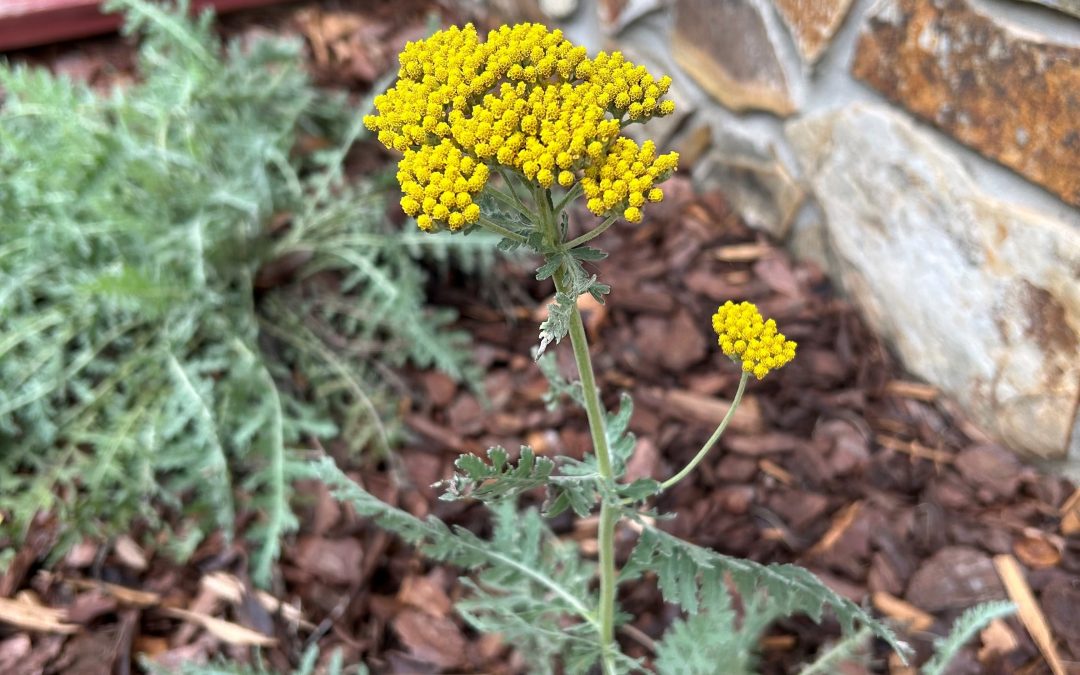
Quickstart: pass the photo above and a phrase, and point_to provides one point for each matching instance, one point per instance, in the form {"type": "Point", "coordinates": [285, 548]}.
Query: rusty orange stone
{"type": "Point", "coordinates": [1012, 98]}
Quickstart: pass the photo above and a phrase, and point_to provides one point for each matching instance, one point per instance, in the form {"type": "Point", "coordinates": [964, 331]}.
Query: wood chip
{"type": "Point", "coordinates": [997, 640]}
{"type": "Point", "coordinates": [1037, 552]}
{"type": "Point", "coordinates": [710, 411]}
{"type": "Point", "coordinates": [129, 553]}
{"type": "Point", "coordinates": [914, 448]}
{"type": "Point", "coordinates": [28, 614]}
{"type": "Point", "coordinates": [840, 524]}
{"type": "Point", "coordinates": [125, 595]}
{"type": "Point", "coordinates": [778, 472]}
{"type": "Point", "coordinates": [742, 252]}
{"type": "Point", "coordinates": [914, 390]}
{"type": "Point", "coordinates": [226, 631]}
{"type": "Point", "coordinates": [893, 607]}
{"type": "Point", "coordinates": [1012, 576]}
{"type": "Point", "coordinates": [1070, 514]}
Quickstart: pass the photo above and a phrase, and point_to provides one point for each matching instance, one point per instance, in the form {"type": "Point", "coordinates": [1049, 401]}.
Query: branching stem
{"type": "Point", "coordinates": [593, 233]}
{"type": "Point", "coordinates": [712, 439]}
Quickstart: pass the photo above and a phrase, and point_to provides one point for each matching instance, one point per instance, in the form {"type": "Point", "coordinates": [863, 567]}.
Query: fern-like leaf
{"type": "Point", "coordinates": [681, 568]}
{"type": "Point", "coordinates": [526, 584]}
{"type": "Point", "coordinates": [970, 622]}
{"type": "Point", "coordinates": [498, 478]}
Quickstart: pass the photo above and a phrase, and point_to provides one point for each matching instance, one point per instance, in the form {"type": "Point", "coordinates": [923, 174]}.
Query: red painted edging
{"type": "Point", "coordinates": [28, 23]}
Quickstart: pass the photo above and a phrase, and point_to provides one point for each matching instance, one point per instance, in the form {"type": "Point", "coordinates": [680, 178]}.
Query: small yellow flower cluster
{"type": "Point", "coordinates": [626, 176]}
{"type": "Point", "coordinates": [750, 340]}
{"type": "Point", "coordinates": [526, 99]}
{"type": "Point", "coordinates": [438, 183]}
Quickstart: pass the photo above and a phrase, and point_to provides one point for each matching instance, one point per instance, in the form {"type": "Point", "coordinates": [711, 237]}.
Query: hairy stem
{"type": "Point", "coordinates": [593, 233]}
{"type": "Point", "coordinates": [712, 439]}
{"type": "Point", "coordinates": [595, 413]}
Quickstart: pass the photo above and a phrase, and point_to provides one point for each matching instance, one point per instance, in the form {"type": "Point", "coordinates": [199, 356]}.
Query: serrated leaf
{"type": "Point", "coordinates": [498, 478]}
{"type": "Point", "coordinates": [588, 253]}
{"type": "Point", "coordinates": [788, 589]}
{"type": "Point", "coordinates": [642, 488]}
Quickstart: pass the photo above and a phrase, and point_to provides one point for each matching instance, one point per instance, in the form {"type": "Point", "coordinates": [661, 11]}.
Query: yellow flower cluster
{"type": "Point", "coordinates": [438, 183]}
{"type": "Point", "coordinates": [526, 99]}
{"type": "Point", "coordinates": [747, 338]}
{"type": "Point", "coordinates": [626, 176]}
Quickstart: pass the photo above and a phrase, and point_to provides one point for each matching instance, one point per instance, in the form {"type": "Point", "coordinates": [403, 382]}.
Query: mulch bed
{"type": "Point", "coordinates": [838, 462]}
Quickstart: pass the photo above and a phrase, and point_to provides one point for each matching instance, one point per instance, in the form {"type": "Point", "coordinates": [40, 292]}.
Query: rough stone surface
{"type": "Point", "coordinates": [728, 48]}
{"type": "Point", "coordinates": [755, 182]}
{"type": "Point", "coordinates": [812, 23]}
{"type": "Point", "coordinates": [1067, 6]}
{"type": "Point", "coordinates": [616, 15]}
{"type": "Point", "coordinates": [979, 297]}
{"type": "Point", "coordinates": [1006, 94]}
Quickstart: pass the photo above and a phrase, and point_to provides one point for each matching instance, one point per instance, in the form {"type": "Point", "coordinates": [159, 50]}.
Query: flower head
{"type": "Point", "coordinates": [526, 99]}
{"type": "Point", "coordinates": [751, 340]}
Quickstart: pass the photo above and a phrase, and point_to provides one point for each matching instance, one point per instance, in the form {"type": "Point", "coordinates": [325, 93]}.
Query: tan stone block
{"type": "Point", "coordinates": [812, 23]}
{"type": "Point", "coordinates": [728, 48]}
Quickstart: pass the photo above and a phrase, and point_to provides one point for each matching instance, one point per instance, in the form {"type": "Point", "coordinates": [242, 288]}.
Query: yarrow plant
{"type": "Point", "coordinates": [504, 135]}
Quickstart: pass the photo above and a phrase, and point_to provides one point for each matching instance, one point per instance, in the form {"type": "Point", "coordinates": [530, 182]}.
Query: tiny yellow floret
{"type": "Point", "coordinates": [750, 340]}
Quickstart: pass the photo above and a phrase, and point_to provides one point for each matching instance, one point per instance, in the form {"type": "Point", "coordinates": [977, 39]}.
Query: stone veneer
{"type": "Point", "coordinates": [925, 152]}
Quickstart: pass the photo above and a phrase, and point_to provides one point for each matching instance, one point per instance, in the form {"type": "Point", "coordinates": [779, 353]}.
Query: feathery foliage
{"type": "Point", "coordinates": [713, 640]}
{"type": "Point", "coordinates": [525, 583]}
{"type": "Point", "coordinates": [139, 363]}
{"type": "Point", "coordinates": [682, 569]}
{"type": "Point", "coordinates": [970, 622]}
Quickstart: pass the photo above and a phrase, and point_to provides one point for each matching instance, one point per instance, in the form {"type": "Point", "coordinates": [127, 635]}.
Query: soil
{"type": "Point", "coordinates": [839, 462]}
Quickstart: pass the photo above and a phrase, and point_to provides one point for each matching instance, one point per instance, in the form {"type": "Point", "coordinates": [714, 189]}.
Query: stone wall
{"type": "Point", "coordinates": [925, 152]}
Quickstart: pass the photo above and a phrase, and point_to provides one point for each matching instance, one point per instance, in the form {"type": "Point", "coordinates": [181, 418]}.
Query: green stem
{"type": "Point", "coordinates": [608, 514]}
{"type": "Point", "coordinates": [512, 202]}
{"type": "Point", "coordinates": [510, 185]}
{"type": "Point", "coordinates": [712, 439]}
{"type": "Point", "coordinates": [593, 233]}
{"type": "Point", "coordinates": [568, 197]}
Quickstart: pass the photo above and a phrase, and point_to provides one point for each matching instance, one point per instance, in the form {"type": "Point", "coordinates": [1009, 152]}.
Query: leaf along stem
{"type": "Point", "coordinates": [712, 439]}
{"type": "Point", "coordinates": [491, 226]}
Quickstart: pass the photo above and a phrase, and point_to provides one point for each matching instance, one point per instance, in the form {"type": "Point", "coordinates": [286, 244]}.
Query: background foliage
{"type": "Point", "coordinates": [142, 361]}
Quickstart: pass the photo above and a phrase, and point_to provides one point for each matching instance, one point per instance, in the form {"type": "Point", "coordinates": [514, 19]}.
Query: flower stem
{"type": "Point", "coordinates": [595, 414]}
{"type": "Point", "coordinates": [608, 515]}
{"type": "Point", "coordinates": [712, 439]}
{"type": "Point", "coordinates": [593, 233]}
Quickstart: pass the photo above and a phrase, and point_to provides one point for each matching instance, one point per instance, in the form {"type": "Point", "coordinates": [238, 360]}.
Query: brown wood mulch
{"type": "Point", "coordinates": [839, 462]}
